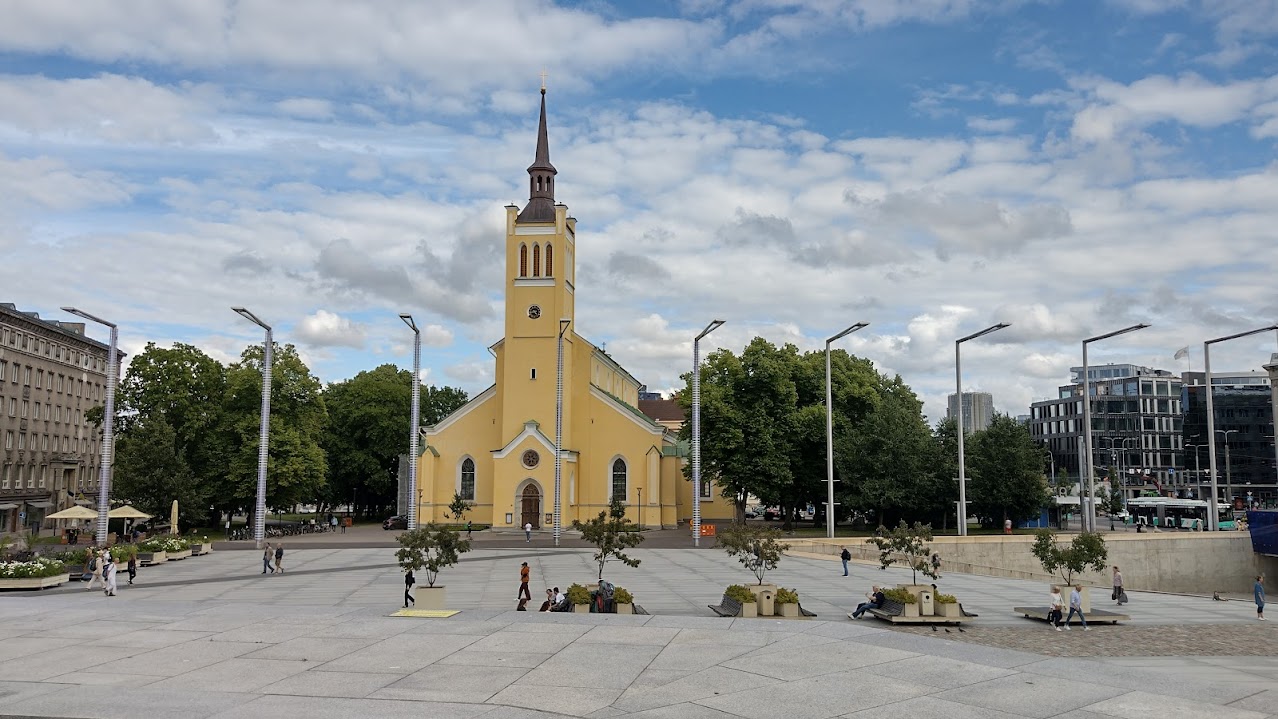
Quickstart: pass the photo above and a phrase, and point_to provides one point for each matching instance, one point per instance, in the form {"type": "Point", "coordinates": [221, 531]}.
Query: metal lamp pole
{"type": "Point", "coordinates": [1229, 472]}
{"type": "Point", "coordinates": [559, 427]}
{"type": "Point", "coordinates": [414, 418]}
{"type": "Point", "coordinates": [696, 430]}
{"type": "Point", "coordinates": [958, 388]}
{"type": "Point", "coordinates": [264, 435]}
{"type": "Point", "coordinates": [108, 424]}
{"type": "Point", "coordinates": [1213, 514]}
{"type": "Point", "coordinates": [1089, 517]}
{"type": "Point", "coordinates": [829, 431]}
{"type": "Point", "coordinates": [1272, 369]}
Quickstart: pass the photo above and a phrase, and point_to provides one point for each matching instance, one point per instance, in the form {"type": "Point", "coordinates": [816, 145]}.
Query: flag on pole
{"type": "Point", "coordinates": [1181, 353]}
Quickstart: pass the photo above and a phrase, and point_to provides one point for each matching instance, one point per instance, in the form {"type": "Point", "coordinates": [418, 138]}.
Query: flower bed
{"type": "Point", "coordinates": [35, 574]}
{"type": "Point", "coordinates": [166, 543]}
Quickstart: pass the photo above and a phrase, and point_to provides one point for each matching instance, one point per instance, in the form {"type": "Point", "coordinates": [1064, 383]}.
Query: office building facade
{"type": "Point", "coordinates": [978, 410]}
{"type": "Point", "coordinates": [1242, 402]}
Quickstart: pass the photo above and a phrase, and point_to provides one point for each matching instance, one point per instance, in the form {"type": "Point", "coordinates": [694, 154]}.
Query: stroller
{"type": "Point", "coordinates": [601, 599]}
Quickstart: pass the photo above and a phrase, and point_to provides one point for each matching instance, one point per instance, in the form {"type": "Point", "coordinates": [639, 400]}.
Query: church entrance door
{"type": "Point", "coordinates": [531, 507]}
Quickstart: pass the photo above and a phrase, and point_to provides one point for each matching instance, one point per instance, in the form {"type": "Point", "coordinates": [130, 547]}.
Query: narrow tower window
{"type": "Point", "coordinates": [550, 260]}
{"type": "Point", "coordinates": [467, 488]}
{"type": "Point", "coordinates": [536, 260]}
{"type": "Point", "coordinates": [619, 479]}
{"type": "Point", "coordinates": [523, 260]}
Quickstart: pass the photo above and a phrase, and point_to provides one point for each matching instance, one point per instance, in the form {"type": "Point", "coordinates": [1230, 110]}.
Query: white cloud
{"type": "Point", "coordinates": [327, 329]}
{"type": "Point", "coordinates": [1188, 100]}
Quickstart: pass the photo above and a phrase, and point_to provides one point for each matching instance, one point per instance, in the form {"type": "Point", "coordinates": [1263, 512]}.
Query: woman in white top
{"type": "Point", "coordinates": [1058, 604]}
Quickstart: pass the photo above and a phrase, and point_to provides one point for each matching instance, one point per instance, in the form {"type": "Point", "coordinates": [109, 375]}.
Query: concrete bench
{"type": "Point", "coordinates": [894, 613]}
{"type": "Point", "coordinates": [1096, 616]}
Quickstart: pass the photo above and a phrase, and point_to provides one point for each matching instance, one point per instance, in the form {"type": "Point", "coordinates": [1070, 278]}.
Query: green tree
{"type": "Point", "coordinates": [436, 403]}
{"type": "Point", "coordinates": [906, 544]}
{"type": "Point", "coordinates": [149, 471]}
{"type": "Point", "coordinates": [430, 548]}
{"type": "Point", "coordinates": [1085, 551]}
{"type": "Point", "coordinates": [296, 465]}
{"type": "Point", "coordinates": [759, 549]}
{"type": "Point", "coordinates": [612, 534]}
{"type": "Point", "coordinates": [458, 508]}
{"type": "Point", "coordinates": [1006, 473]}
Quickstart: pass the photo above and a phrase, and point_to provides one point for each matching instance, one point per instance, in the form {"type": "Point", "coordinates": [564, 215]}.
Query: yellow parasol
{"type": "Point", "coordinates": [126, 512]}
{"type": "Point", "coordinates": [73, 512]}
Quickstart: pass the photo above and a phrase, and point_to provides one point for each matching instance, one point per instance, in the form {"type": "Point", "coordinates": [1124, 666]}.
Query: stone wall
{"type": "Point", "coordinates": [1188, 562]}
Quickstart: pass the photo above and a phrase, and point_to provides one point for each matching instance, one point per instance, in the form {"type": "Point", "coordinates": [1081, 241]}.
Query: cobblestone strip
{"type": "Point", "coordinates": [1257, 639]}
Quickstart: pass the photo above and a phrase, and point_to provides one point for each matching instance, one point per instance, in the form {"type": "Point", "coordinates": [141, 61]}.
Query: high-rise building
{"type": "Point", "coordinates": [51, 375]}
{"type": "Point", "coordinates": [978, 410]}
{"type": "Point", "coordinates": [1136, 426]}
{"type": "Point", "coordinates": [1244, 436]}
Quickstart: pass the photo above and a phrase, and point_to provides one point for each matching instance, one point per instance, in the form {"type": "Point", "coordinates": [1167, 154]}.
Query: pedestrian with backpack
{"type": "Point", "coordinates": [266, 559]}
{"type": "Point", "coordinates": [845, 556]}
{"type": "Point", "coordinates": [279, 558]}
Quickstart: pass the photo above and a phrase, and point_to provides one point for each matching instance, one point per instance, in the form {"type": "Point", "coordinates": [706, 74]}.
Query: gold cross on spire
{"type": "Point", "coordinates": [543, 79]}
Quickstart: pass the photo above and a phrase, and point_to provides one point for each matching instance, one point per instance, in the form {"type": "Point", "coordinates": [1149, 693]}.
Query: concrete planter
{"type": "Point", "coordinates": [200, 549]}
{"type": "Point", "coordinates": [35, 582]}
{"type": "Point", "coordinates": [949, 611]}
{"type": "Point", "coordinates": [911, 610]}
{"type": "Point", "coordinates": [788, 610]}
{"type": "Point", "coordinates": [430, 597]}
{"type": "Point", "coordinates": [625, 608]}
{"type": "Point", "coordinates": [749, 611]}
{"type": "Point", "coordinates": [581, 609]}
{"type": "Point", "coordinates": [177, 556]}
{"type": "Point", "coordinates": [147, 559]}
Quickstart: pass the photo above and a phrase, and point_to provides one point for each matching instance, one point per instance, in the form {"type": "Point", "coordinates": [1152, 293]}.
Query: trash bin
{"type": "Point", "coordinates": [926, 606]}
{"type": "Point", "coordinates": [766, 599]}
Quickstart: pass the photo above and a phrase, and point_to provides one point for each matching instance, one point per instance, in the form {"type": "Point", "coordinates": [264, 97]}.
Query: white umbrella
{"type": "Point", "coordinates": [75, 512]}
{"type": "Point", "coordinates": [126, 512]}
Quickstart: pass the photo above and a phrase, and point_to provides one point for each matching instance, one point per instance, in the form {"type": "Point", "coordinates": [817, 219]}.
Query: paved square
{"type": "Point", "coordinates": [210, 637]}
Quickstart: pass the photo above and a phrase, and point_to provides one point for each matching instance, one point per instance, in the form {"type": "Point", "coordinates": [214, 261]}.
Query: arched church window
{"type": "Point", "coordinates": [523, 260]}
{"type": "Point", "coordinates": [550, 260]}
{"type": "Point", "coordinates": [539, 183]}
{"type": "Point", "coordinates": [467, 488]}
{"type": "Point", "coordinates": [536, 260]}
{"type": "Point", "coordinates": [619, 479]}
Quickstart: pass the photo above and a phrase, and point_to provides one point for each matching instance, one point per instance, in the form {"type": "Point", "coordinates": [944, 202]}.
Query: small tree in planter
{"type": "Point", "coordinates": [749, 607]}
{"type": "Point", "coordinates": [909, 542]}
{"type": "Point", "coordinates": [1085, 551]}
{"type": "Point", "coordinates": [757, 548]}
{"type": "Point", "coordinates": [458, 508]}
{"type": "Point", "coordinates": [430, 548]}
{"type": "Point", "coordinates": [612, 534]}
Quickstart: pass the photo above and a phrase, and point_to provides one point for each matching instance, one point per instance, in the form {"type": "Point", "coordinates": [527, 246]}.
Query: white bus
{"type": "Point", "coordinates": [1171, 513]}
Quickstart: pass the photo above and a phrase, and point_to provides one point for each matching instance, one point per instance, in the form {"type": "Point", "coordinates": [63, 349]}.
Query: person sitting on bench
{"type": "Point", "coordinates": [876, 598]}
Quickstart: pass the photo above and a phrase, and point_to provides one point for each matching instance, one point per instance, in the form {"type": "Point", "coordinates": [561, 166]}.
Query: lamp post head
{"type": "Point", "coordinates": [848, 331]}
{"type": "Point", "coordinates": [714, 325]}
{"type": "Point", "coordinates": [87, 316]}
{"type": "Point", "coordinates": [408, 320]}
{"type": "Point", "coordinates": [987, 330]}
{"type": "Point", "coordinates": [251, 317]}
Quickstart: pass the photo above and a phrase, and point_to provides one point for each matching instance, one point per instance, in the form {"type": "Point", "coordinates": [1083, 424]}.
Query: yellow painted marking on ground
{"type": "Point", "coordinates": [430, 613]}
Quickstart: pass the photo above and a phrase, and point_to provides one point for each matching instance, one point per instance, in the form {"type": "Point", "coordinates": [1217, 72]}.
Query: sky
{"type": "Point", "coordinates": [792, 167]}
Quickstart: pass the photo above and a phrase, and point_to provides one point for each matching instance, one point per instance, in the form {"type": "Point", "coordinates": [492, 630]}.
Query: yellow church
{"type": "Point", "coordinates": [498, 450]}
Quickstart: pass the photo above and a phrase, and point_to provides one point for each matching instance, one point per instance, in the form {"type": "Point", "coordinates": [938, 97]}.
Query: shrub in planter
{"type": "Point", "coordinates": [623, 600]}
{"type": "Point", "coordinates": [165, 543]}
{"type": "Point", "coordinates": [903, 596]}
{"type": "Point", "coordinates": [120, 555]}
{"type": "Point", "coordinates": [579, 597]}
{"type": "Point", "coordinates": [37, 568]}
{"type": "Point", "coordinates": [749, 605]}
{"type": "Point", "coordinates": [946, 605]}
{"type": "Point", "coordinates": [787, 602]}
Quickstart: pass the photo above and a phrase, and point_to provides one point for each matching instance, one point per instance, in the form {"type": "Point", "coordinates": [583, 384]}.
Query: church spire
{"type": "Point", "coordinates": [541, 176]}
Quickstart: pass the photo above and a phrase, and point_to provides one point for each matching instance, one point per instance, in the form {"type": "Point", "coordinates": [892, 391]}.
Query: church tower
{"type": "Point", "coordinates": [540, 271]}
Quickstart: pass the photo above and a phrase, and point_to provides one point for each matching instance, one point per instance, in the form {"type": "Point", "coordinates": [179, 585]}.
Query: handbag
{"type": "Point", "coordinates": [1113, 595]}
{"type": "Point", "coordinates": [86, 577]}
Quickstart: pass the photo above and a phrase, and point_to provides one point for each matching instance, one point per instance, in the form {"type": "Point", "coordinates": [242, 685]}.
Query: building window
{"type": "Point", "coordinates": [619, 479]}
{"type": "Point", "coordinates": [536, 260]}
{"type": "Point", "coordinates": [30, 476]}
{"type": "Point", "coordinates": [705, 489]}
{"type": "Point", "coordinates": [523, 260]}
{"type": "Point", "coordinates": [467, 488]}
{"type": "Point", "coordinates": [4, 480]}
{"type": "Point", "coordinates": [550, 260]}
{"type": "Point", "coordinates": [532, 373]}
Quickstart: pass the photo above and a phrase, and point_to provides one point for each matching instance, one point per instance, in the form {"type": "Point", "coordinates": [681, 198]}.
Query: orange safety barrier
{"type": "Point", "coordinates": [707, 530]}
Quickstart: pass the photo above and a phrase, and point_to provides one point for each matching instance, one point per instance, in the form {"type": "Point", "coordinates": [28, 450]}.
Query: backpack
{"type": "Point", "coordinates": [846, 555]}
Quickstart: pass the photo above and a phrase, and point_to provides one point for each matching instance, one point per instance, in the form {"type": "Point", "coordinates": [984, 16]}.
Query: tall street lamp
{"type": "Point", "coordinates": [414, 417]}
{"type": "Point", "coordinates": [829, 431]}
{"type": "Point", "coordinates": [1229, 473]}
{"type": "Point", "coordinates": [958, 388]}
{"type": "Point", "coordinates": [1272, 369]}
{"type": "Point", "coordinates": [1089, 516]}
{"type": "Point", "coordinates": [1213, 518]}
{"type": "Point", "coordinates": [108, 424]}
{"type": "Point", "coordinates": [264, 434]}
{"type": "Point", "coordinates": [559, 427]}
{"type": "Point", "coordinates": [696, 430]}
{"type": "Point", "coordinates": [1198, 469]}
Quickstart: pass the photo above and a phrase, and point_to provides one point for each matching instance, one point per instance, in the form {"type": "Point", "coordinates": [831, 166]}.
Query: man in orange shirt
{"type": "Point", "coordinates": [523, 582]}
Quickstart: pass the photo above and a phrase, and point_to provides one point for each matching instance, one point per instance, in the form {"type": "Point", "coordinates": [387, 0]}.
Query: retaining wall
{"type": "Point", "coordinates": [1187, 562]}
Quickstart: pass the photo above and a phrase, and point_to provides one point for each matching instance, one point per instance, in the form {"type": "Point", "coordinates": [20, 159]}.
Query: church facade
{"type": "Point", "coordinates": [498, 450]}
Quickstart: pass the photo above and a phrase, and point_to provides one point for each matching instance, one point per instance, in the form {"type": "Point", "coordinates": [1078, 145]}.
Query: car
{"type": "Point", "coordinates": [395, 522]}
{"type": "Point", "coordinates": [752, 512]}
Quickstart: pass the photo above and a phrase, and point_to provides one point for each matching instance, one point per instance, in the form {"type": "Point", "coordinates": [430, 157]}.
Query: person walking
{"type": "Point", "coordinates": [845, 555]}
{"type": "Point", "coordinates": [1058, 605]}
{"type": "Point", "coordinates": [109, 575]}
{"type": "Point", "coordinates": [279, 558]}
{"type": "Point", "coordinates": [936, 564]}
{"type": "Point", "coordinates": [527, 532]}
{"type": "Point", "coordinates": [133, 566]}
{"type": "Point", "coordinates": [1258, 592]}
{"type": "Point", "coordinates": [409, 581]}
{"type": "Point", "coordinates": [266, 559]}
{"type": "Point", "coordinates": [1076, 605]}
{"type": "Point", "coordinates": [523, 582]}
{"type": "Point", "coordinates": [1119, 595]}
{"type": "Point", "coordinates": [467, 529]}
{"type": "Point", "coordinates": [95, 566]}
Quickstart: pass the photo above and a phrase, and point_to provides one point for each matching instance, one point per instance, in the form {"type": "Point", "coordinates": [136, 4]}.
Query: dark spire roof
{"type": "Point", "coordinates": [541, 177]}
